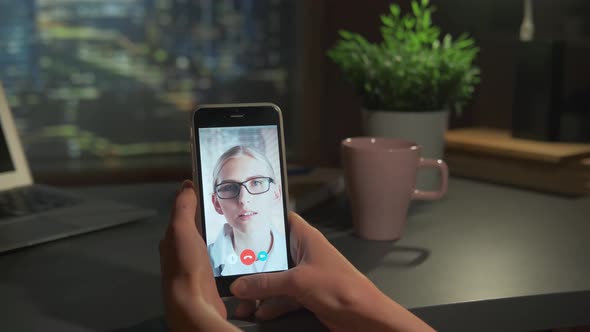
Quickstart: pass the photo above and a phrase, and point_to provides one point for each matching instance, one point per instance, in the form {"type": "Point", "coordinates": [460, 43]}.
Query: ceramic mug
{"type": "Point", "coordinates": [380, 175]}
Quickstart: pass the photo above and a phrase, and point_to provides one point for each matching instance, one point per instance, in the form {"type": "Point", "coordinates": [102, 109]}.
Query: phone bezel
{"type": "Point", "coordinates": [235, 115]}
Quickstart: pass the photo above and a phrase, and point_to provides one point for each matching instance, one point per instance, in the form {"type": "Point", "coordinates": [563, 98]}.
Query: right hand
{"type": "Point", "coordinates": [325, 283]}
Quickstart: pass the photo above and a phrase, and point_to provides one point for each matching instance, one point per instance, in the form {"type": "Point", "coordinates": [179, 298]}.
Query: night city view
{"type": "Point", "coordinates": [116, 79]}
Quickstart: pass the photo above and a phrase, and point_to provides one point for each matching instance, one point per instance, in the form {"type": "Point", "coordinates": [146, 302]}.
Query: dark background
{"type": "Point", "coordinates": [320, 106]}
{"type": "Point", "coordinates": [495, 26]}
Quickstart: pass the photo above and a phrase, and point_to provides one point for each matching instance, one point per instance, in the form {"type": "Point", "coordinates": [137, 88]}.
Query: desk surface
{"type": "Point", "coordinates": [485, 258]}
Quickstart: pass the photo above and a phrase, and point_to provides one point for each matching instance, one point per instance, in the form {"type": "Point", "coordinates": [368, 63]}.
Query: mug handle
{"type": "Point", "coordinates": [444, 179]}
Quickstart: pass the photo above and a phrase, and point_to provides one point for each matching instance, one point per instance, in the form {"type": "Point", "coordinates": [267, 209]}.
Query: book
{"type": "Point", "coordinates": [500, 143]}
{"type": "Point", "coordinates": [492, 155]}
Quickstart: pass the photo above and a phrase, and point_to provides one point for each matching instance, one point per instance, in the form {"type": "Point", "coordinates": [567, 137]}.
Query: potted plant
{"type": "Point", "coordinates": [412, 79]}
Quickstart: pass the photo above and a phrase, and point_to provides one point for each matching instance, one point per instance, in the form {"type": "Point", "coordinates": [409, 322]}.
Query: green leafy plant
{"type": "Point", "coordinates": [412, 68]}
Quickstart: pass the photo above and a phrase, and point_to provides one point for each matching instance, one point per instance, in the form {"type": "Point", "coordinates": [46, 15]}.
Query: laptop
{"type": "Point", "coordinates": [31, 214]}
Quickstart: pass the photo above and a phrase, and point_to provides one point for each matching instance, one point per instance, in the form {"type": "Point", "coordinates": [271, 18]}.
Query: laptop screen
{"type": "Point", "coordinates": [6, 164]}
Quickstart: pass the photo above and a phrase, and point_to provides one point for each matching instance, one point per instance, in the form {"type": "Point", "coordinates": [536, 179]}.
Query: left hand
{"type": "Point", "coordinates": [189, 291]}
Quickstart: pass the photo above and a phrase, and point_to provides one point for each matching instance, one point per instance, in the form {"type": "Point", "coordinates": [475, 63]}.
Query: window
{"type": "Point", "coordinates": [104, 84]}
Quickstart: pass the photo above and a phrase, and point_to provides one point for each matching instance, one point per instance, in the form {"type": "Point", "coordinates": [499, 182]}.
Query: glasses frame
{"type": "Point", "coordinates": [242, 184]}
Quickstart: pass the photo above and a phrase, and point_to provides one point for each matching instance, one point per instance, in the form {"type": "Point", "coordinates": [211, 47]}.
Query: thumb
{"type": "Point", "coordinates": [264, 285]}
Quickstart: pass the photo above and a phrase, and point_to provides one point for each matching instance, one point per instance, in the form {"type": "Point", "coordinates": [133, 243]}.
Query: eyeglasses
{"type": "Point", "coordinates": [255, 186]}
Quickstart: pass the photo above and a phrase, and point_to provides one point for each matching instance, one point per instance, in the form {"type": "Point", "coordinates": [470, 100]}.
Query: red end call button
{"type": "Point", "coordinates": [248, 257]}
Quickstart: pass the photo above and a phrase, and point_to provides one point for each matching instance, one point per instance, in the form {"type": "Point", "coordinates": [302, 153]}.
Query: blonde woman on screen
{"type": "Point", "coordinates": [245, 192]}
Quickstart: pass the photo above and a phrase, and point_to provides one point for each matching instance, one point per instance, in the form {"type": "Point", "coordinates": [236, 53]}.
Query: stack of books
{"type": "Point", "coordinates": [494, 155]}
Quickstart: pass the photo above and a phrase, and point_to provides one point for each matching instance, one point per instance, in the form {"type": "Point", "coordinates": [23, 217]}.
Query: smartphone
{"type": "Point", "coordinates": [238, 154]}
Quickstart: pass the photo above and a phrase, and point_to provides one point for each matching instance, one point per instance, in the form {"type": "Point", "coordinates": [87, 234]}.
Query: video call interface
{"type": "Point", "coordinates": [242, 198]}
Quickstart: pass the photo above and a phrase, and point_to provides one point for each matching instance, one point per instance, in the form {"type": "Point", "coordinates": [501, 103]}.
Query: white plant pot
{"type": "Point", "coordinates": [425, 128]}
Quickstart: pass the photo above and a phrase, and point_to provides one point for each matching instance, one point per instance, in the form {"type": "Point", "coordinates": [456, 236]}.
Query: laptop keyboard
{"type": "Point", "coordinates": [28, 200]}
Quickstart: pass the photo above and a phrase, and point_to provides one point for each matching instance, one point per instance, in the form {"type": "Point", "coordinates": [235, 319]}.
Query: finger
{"type": "Point", "coordinates": [263, 285]}
{"type": "Point", "coordinates": [245, 308]}
{"type": "Point", "coordinates": [183, 249]}
{"type": "Point", "coordinates": [296, 231]}
{"type": "Point", "coordinates": [185, 265]}
{"type": "Point", "coordinates": [302, 236]}
{"type": "Point", "coordinates": [276, 307]}
{"type": "Point", "coordinates": [185, 207]}
{"type": "Point", "coordinates": [300, 227]}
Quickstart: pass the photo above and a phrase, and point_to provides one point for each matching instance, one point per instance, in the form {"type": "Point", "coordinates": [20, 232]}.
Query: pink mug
{"type": "Point", "coordinates": [380, 175]}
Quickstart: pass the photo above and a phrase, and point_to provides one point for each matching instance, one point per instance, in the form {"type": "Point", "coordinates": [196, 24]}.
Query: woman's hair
{"type": "Point", "coordinates": [238, 151]}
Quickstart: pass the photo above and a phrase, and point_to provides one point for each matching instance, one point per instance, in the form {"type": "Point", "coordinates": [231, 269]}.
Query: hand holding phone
{"type": "Point", "coordinates": [191, 300]}
{"type": "Point", "coordinates": [241, 205]}
{"type": "Point", "coordinates": [325, 283]}
{"type": "Point", "coordinates": [239, 169]}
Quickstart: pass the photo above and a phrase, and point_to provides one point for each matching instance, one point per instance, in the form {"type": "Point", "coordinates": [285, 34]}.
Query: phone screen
{"type": "Point", "coordinates": [243, 204]}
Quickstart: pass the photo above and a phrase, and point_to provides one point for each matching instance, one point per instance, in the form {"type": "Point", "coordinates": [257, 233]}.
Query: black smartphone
{"type": "Point", "coordinates": [238, 154]}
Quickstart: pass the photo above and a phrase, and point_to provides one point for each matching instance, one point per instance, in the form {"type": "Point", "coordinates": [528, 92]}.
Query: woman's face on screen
{"type": "Point", "coordinates": [247, 212]}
